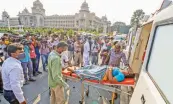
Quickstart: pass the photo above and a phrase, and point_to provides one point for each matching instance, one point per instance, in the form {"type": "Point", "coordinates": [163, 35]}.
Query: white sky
{"type": "Point", "coordinates": [115, 10]}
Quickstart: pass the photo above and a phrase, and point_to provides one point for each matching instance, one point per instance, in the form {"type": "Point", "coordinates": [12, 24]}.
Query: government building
{"type": "Point", "coordinates": [83, 20]}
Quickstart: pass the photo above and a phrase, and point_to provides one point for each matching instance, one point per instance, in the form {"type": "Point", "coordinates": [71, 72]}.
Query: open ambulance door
{"type": "Point", "coordinates": [136, 58]}
{"type": "Point", "coordinates": [155, 85]}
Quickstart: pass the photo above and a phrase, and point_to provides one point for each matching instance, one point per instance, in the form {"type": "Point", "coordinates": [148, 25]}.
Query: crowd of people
{"type": "Point", "coordinates": [20, 59]}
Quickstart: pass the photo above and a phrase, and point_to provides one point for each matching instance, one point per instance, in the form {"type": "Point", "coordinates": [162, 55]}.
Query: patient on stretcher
{"type": "Point", "coordinates": [113, 75]}
{"type": "Point", "coordinates": [70, 69]}
{"type": "Point", "coordinates": [104, 73]}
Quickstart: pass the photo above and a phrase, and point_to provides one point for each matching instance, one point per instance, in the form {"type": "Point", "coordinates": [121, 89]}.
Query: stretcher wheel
{"type": "Point", "coordinates": [87, 93]}
{"type": "Point", "coordinates": [80, 102]}
{"type": "Point", "coordinates": [49, 92]}
{"type": "Point", "coordinates": [115, 98]}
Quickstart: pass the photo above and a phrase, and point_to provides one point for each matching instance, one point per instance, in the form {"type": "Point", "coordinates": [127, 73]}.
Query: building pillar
{"type": "Point", "coordinates": [29, 21]}
{"type": "Point", "coordinates": [104, 29]}
{"type": "Point", "coordinates": [38, 21]}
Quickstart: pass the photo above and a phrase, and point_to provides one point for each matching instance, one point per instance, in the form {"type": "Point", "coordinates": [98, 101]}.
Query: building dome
{"type": "Point", "coordinates": [38, 8]}
{"type": "Point", "coordinates": [37, 3]}
{"type": "Point", "coordinates": [25, 11]}
{"type": "Point", "coordinates": [104, 18]}
{"type": "Point", "coordinates": [4, 13]}
{"type": "Point", "coordinates": [84, 6]}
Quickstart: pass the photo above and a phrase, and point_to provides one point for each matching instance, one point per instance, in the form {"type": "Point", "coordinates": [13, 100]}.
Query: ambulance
{"type": "Point", "coordinates": [153, 60]}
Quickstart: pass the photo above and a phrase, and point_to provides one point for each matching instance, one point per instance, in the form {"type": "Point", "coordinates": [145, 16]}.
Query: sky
{"type": "Point", "coordinates": [115, 10]}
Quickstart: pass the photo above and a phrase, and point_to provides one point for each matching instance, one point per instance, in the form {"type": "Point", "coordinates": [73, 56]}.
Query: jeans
{"type": "Point", "coordinates": [33, 65]}
{"type": "Point", "coordinates": [10, 97]}
{"type": "Point", "coordinates": [27, 66]}
{"type": "Point", "coordinates": [44, 61]}
{"type": "Point", "coordinates": [37, 62]}
{"type": "Point", "coordinates": [94, 59]}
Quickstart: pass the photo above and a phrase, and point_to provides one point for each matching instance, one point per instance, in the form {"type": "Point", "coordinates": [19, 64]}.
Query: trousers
{"type": "Point", "coordinates": [77, 58]}
{"type": "Point", "coordinates": [27, 69]}
{"type": "Point", "coordinates": [94, 59]}
{"type": "Point", "coordinates": [34, 65]}
{"type": "Point", "coordinates": [37, 62]}
{"type": "Point", "coordinates": [10, 97]}
{"type": "Point", "coordinates": [44, 61]}
{"type": "Point", "coordinates": [57, 95]}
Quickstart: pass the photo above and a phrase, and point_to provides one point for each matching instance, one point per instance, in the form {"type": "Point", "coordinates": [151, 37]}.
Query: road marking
{"type": "Point", "coordinates": [37, 99]}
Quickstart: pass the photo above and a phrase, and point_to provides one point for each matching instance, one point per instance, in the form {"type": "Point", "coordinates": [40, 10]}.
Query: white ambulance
{"type": "Point", "coordinates": [155, 83]}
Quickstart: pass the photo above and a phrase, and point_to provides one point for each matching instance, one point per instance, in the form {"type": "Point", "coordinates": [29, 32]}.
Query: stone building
{"type": "Point", "coordinates": [84, 19]}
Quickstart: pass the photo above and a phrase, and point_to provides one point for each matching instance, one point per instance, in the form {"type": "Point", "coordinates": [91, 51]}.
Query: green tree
{"type": "Point", "coordinates": [124, 29]}
{"type": "Point", "coordinates": [136, 18]}
{"type": "Point", "coordinates": [70, 32]}
{"type": "Point", "coordinates": [117, 26]}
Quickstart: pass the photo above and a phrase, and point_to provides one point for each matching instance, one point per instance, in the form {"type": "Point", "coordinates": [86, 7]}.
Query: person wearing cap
{"type": "Point", "coordinates": [27, 63]}
{"type": "Point", "coordinates": [12, 75]}
{"type": "Point", "coordinates": [77, 52]}
{"type": "Point", "coordinates": [55, 79]}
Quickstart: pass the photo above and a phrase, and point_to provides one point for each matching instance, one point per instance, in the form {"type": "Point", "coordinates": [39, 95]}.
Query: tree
{"type": "Point", "coordinates": [138, 15]}
{"type": "Point", "coordinates": [70, 32]}
{"type": "Point", "coordinates": [124, 29]}
{"type": "Point", "coordinates": [117, 25]}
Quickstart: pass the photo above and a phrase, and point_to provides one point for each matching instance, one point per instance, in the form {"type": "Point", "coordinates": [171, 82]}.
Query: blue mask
{"type": "Point", "coordinates": [21, 56]}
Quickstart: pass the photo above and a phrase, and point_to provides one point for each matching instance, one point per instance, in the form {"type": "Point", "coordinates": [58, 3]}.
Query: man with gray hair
{"type": "Point", "coordinates": [55, 81]}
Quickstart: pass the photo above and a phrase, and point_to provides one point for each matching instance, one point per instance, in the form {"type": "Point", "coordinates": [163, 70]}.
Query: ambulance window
{"type": "Point", "coordinates": [160, 65]}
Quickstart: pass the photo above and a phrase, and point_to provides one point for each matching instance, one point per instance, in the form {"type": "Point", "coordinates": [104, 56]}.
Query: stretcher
{"type": "Point", "coordinates": [105, 85]}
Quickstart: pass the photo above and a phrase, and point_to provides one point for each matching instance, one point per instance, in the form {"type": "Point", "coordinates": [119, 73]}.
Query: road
{"type": "Point", "coordinates": [32, 90]}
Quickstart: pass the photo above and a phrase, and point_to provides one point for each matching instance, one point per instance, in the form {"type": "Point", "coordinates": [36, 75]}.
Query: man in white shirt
{"type": "Point", "coordinates": [86, 53]}
{"type": "Point", "coordinates": [12, 75]}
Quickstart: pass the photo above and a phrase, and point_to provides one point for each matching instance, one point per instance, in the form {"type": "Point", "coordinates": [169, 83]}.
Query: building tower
{"type": "Point", "coordinates": [24, 18]}
{"type": "Point", "coordinates": [5, 17]}
{"type": "Point", "coordinates": [38, 14]}
{"type": "Point", "coordinates": [83, 14]}
{"type": "Point", "coordinates": [104, 19]}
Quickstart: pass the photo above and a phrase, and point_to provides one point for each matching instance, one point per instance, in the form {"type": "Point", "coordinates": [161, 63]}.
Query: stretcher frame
{"type": "Point", "coordinates": [106, 86]}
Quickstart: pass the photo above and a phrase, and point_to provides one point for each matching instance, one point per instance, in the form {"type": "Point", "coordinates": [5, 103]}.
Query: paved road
{"type": "Point", "coordinates": [32, 90]}
{"type": "Point", "coordinates": [40, 86]}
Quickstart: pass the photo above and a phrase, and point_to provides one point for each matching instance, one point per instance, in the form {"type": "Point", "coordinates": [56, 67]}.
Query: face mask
{"type": "Point", "coordinates": [21, 56]}
{"type": "Point", "coordinates": [6, 42]}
